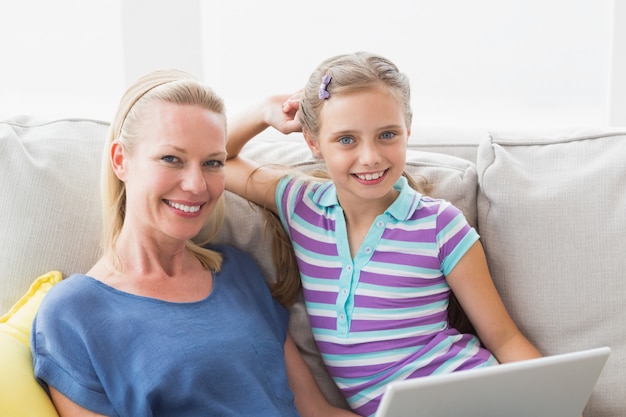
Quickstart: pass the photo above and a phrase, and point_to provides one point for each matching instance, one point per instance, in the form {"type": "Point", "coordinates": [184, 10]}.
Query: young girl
{"type": "Point", "coordinates": [378, 260]}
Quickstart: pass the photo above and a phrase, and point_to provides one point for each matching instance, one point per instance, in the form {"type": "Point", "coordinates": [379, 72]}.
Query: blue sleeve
{"type": "Point", "coordinates": [61, 356]}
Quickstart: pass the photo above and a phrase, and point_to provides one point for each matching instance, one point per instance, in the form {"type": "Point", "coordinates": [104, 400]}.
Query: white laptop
{"type": "Point", "coordinates": [552, 386]}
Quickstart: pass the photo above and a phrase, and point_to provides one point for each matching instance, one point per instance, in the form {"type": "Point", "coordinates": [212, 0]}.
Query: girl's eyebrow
{"type": "Point", "coordinates": [352, 131]}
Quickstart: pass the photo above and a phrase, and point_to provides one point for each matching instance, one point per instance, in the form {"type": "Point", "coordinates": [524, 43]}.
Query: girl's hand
{"type": "Point", "coordinates": [281, 112]}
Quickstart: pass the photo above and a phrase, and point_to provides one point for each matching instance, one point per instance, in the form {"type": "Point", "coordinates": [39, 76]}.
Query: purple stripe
{"type": "Point", "coordinates": [367, 301]}
{"type": "Point", "coordinates": [322, 322]}
{"type": "Point", "coordinates": [324, 297]}
{"type": "Point", "coordinates": [396, 281]}
{"type": "Point", "coordinates": [421, 235]}
{"type": "Point", "coordinates": [374, 325]}
{"type": "Point", "coordinates": [313, 218]}
{"type": "Point", "coordinates": [317, 271]}
{"type": "Point", "coordinates": [324, 248]}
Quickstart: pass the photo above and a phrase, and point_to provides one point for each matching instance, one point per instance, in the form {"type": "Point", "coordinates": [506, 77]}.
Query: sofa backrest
{"type": "Point", "coordinates": [552, 216]}
{"type": "Point", "coordinates": [50, 218]}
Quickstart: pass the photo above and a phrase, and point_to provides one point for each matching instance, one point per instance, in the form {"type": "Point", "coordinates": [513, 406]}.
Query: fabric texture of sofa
{"type": "Point", "coordinates": [550, 208]}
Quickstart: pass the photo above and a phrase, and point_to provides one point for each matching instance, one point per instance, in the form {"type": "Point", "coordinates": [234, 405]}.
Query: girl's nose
{"type": "Point", "coordinates": [369, 155]}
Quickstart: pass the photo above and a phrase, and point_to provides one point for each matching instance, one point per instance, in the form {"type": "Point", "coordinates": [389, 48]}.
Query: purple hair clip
{"type": "Point", "coordinates": [323, 93]}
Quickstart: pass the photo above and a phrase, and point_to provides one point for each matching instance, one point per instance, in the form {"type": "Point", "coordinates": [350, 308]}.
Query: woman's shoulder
{"type": "Point", "coordinates": [229, 251]}
{"type": "Point", "coordinates": [72, 286]}
{"type": "Point", "coordinates": [234, 258]}
{"type": "Point", "coordinates": [71, 297]}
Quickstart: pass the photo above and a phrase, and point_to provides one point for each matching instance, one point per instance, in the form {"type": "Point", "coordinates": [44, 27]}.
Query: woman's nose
{"type": "Point", "coordinates": [194, 181]}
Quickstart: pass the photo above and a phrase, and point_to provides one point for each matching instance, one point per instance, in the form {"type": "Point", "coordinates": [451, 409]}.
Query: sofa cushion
{"type": "Point", "coordinates": [51, 215]}
{"type": "Point", "coordinates": [551, 211]}
{"type": "Point", "coordinates": [18, 386]}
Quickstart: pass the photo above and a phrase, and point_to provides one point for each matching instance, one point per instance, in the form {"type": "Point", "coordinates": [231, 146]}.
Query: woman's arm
{"type": "Point", "coordinates": [243, 176]}
{"type": "Point", "coordinates": [309, 399]}
{"type": "Point", "coordinates": [67, 408]}
{"type": "Point", "coordinates": [473, 286]}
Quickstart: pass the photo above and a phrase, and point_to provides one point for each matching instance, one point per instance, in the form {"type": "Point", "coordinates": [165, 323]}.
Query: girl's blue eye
{"type": "Point", "coordinates": [346, 140]}
{"type": "Point", "coordinates": [388, 135]}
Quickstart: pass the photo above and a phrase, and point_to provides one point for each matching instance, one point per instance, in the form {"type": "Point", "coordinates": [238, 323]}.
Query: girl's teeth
{"type": "Point", "coordinates": [369, 177]}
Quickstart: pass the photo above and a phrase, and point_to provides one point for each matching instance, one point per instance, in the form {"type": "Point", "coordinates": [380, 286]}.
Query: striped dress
{"type": "Point", "coordinates": [382, 315]}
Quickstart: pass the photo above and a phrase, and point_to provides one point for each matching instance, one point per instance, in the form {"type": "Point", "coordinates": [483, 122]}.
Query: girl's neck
{"type": "Point", "coordinates": [360, 216]}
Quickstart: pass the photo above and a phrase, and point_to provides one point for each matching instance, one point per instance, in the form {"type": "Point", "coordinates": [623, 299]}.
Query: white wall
{"type": "Point", "coordinates": [484, 63]}
{"type": "Point", "coordinates": [60, 58]}
{"type": "Point", "coordinates": [479, 63]}
{"type": "Point", "coordinates": [617, 81]}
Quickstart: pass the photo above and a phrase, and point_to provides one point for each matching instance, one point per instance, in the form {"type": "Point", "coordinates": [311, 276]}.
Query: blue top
{"type": "Point", "coordinates": [121, 354]}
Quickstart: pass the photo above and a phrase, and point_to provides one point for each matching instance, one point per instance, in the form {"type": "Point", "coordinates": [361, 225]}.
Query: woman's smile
{"type": "Point", "coordinates": [189, 208]}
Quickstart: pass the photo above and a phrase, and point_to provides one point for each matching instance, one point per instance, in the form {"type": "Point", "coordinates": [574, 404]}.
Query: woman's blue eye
{"type": "Point", "coordinates": [214, 163]}
{"type": "Point", "coordinates": [388, 135]}
{"type": "Point", "coordinates": [169, 158]}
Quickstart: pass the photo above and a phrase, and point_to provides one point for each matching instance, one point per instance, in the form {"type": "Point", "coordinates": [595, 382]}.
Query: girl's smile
{"type": "Point", "coordinates": [371, 178]}
{"type": "Point", "coordinates": [363, 141]}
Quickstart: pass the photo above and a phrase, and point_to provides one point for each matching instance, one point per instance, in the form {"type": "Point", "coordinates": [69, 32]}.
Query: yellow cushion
{"type": "Point", "coordinates": [20, 394]}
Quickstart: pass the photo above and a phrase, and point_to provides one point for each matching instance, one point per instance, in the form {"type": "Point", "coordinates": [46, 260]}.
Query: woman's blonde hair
{"type": "Point", "coordinates": [171, 86]}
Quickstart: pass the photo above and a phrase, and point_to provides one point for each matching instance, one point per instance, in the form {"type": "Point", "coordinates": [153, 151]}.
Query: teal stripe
{"type": "Point", "coordinates": [459, 251]}
{"type": "Point", "coordinates": [320, 306]}
{"type": "Point", "coordinates": [412, 225]}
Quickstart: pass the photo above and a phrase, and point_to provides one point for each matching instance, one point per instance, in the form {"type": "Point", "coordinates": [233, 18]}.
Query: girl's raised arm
{"type": "Point", "coordinates": [243, 176]}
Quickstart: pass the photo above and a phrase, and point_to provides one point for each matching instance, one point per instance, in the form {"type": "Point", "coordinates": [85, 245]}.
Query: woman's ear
{"type": "Point", "coordinates": [118, 160]}
{"type": "Point", "coordinates": [312, 143]}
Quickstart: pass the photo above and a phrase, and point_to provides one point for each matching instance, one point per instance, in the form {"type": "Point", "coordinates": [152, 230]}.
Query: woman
{"type": "Point", "coordinates": [159, 325]}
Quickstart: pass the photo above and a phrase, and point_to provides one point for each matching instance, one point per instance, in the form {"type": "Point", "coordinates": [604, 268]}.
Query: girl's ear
{"type": "Point", "coordinates": [118, 160]}
{"type": "Point", "coordinates": [312, 143]}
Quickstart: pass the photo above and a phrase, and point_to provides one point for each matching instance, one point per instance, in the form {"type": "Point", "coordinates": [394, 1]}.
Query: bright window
{"type": "Point", "coordinates": [484, 63]}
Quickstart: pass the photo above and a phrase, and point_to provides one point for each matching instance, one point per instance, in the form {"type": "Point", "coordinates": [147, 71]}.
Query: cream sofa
{"type": "Point", "coordinates": [550, 208]}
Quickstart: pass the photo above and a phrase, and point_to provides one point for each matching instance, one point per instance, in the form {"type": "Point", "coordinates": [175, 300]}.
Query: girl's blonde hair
{"type": "Point", "coordinates": [349, 73]}
{"type": "Point", "coordinates": [171, 86]}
